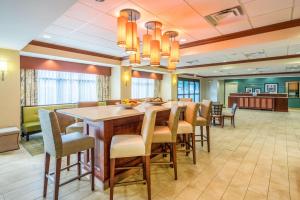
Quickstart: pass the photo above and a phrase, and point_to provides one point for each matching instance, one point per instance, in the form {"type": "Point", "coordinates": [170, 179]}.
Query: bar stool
{"type": "Point", "coordinates": [58, 146]}
{"type": "Point", "coordinates": [123, 146]}
{"type": "Point", "coordinates": [204, 120]}
{"type": "Point", "coordinates": [168, 135]}
{"type": "Point", "coordinates": [186, 127]}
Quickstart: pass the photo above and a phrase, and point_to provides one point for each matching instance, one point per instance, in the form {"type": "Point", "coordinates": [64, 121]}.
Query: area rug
{"type": "Point", "coordinates": [35, 145]}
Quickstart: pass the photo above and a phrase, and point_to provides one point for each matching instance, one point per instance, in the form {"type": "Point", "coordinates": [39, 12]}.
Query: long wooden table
{"type": "Point", "coordinates": [103, 122]}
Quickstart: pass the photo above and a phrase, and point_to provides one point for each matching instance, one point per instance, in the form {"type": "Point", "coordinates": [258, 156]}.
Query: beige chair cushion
{"type": "Point", "coordinates": [76, 142]}
{"type": "Point", "coordinates": [162, 134]}
{"type": "Point", "coordinates": [184, 127]}
{"type": "Point", "coordinates": [201, 121]}
{"type": "Point", "coordinates": [76, 127]}
{"type": "Point", "coordinates": [227, 114]}
{"type": "Point", "coordinates": [127, 146]}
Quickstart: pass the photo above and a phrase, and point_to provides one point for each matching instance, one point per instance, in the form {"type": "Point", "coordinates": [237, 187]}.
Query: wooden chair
{"type": "Point", "coordinates": [186, 127]}
{"type": "Point", "coordinates": [230, 115]}
{"type": "Point", "coordinates": [217, 114]}
{"type": "Point", "coordinates": [204, 120]}
{"type": "Point", "coordinates": [123, 146]}
{"type": "Point", "coordinates": [168, 135]}
{"type": "Point", "coordinates": [58, 146]}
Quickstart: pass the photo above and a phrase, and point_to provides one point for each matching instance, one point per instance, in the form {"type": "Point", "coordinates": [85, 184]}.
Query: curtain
{"type": "Point", "coordinates": [142, 88]}
{"type": "Point", "coordinates": [157, 88]}
{"type": "Point", "coordinates": [28, 87]}
{"type": "Point", "coordinates": [103, 87]}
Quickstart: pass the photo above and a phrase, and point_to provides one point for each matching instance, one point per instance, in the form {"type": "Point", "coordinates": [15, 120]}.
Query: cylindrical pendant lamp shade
{"type": "Point", "coordinates": [157, 34]}
{"type": "Point", "coordinates": [165, 46]}
{"type": "Point", "coordinates": [131, 35]}
{"type": "Point", "coordinates": [174, 56]}
{"type": "Point", "coordinates": [171, 65]}
{"type": "Point", "coordinates": [122, 20]}
{"type": "Point", "coordinates": [155, 53]}
{"type": "Point", "coordinates": [146, 46]}
{"type": "Point", "coordinates": [135, 59]}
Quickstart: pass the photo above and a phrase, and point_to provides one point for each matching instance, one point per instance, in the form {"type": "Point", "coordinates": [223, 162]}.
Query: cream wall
{"type": "Point", "coordinates": [10, 90]}
{"type": "Point", "coordinates": [212, 89]}
{"type": "Point", "coordinates": [121, 82]}
{"type": "Point", "coordinates": [169, 87]}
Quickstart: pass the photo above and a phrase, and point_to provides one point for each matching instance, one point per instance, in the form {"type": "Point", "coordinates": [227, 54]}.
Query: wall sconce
{"type": "Point", "coordinates": [126, 77]}
{"type": "Point", "coordinates": [3, 69]}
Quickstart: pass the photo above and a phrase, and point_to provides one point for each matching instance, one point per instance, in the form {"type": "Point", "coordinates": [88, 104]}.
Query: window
{"type": "Point", "coordinates": [54, 87]}
{"type": "Point", "coordinates": [142, 88]}
{"type": "Point", "coordinates": [188, 88]}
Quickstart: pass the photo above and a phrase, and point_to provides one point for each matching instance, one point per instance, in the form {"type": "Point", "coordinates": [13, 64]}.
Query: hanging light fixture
{"type": "Point", "coordinates": [171, 65]}
{"type": "Point", "coordinates": [122, 20]}
{"type": "Point", "coordinates": [155, 42]}
{"type": "Point", "coordinates": [146, 46]}
{"type": "Point", "coordinates": [165, 46]}
{"type": "Point", "coordinates": [174, 56]}
{"type": "Point", "coordinates": [135, 59]}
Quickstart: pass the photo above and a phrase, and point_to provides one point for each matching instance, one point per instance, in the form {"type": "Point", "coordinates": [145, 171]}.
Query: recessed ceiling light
{"type": "Point", "coordinates": [182, 40]}
{"type": "Point", "coordinates": [47, 36]}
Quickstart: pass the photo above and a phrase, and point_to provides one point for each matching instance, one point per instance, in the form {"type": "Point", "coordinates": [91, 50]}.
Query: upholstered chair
{"type": "Point", "coordinates": [59, 145]}
{"type": "Point", "coordinates": [186, 127]}
{"type": "Point", "coordinates": [230, 115]}
{"type": "Point", "coordinates": [168, 135]}
{"type": "Point", "coordinates": [123, 146]}
{"type": "Point", "coordinates": [185, 99]}
{"type": "Point", "coordinates": [204, 120]}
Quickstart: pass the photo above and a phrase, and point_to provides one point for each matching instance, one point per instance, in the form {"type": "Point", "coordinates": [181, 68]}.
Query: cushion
{"type": "Point", "coordinates": [184, 127]}
{"type": "Point", "coordinates": [201, 121]}
{"type": "Point", "coordinates": [31, 126]}
{"type": "Point", "coordinates": [76, 142]}
{"type": "Point", "coordinates": [227, 114]}
{"type": "Point", "coordinates": [162, 134]}
{"type": "Point", "coordinates": [76, 127]}
{"type": "Point", "coordinates": [127, 146]}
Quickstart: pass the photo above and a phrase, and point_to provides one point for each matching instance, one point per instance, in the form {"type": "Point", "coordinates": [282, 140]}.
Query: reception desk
{"type": "Point", "coordinates": [272, 102]}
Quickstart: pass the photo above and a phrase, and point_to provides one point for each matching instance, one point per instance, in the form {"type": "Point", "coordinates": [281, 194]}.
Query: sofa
{"type": "Point", "coordinates": [30, 117]}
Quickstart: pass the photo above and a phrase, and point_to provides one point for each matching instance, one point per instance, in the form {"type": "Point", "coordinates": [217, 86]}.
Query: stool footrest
{"type": "Point", "coordinates": [129, 183]}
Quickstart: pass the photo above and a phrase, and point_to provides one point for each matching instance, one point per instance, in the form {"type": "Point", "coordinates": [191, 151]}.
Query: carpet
{"type": "Point", "coordinates": [35, 145]}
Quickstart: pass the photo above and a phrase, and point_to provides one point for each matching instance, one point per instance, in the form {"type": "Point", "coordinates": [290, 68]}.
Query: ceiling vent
{"type": "Point", "coordinates": [253, 55]}
{"type": "Point", "coordinates": [225, 16]}
{"type": "Point", "coordinates": [192, 62]}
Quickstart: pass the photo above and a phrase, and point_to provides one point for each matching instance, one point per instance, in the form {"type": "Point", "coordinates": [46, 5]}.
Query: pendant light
{"type": "Point", "coordinates": [131, 31]}
{"type": "Point", "coordinates": [135, 59]}
{"type": "Point", "coordinates": [122, 20]}
{"type": "Point", "coordinates": [174, 57]}
{"type": "Point", "coordinates": [165, 46]}
{"type": "Point", "coordinates": [146, 46]}
{"type": "Point", "coordinates": [171, 65]}
{"type": "Point", "coordinates": [155, 42]}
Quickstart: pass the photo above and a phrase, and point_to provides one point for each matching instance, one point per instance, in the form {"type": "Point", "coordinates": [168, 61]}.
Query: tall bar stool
{"type": "Point", "coordinates": [186, 127]}
{"type": "Point", "coordinates": [123, 146]}
{"type": "Point", "coordinates": [168, 135]}
{"type": "Point", "coordinates": [58, 146]}
{"type": "Point", "coordinates": [204, 120]}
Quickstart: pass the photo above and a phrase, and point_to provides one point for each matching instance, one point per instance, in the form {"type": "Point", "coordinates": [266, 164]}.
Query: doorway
{"type": "Point", "coordinates": [230, 88]}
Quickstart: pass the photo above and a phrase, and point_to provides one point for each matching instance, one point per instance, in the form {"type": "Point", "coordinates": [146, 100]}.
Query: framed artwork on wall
{"type": "Point", "coordinates": [271, 88]}
{"type": "Point", "coordinates": [257, 90]}
{"type": "Point", "coordinates": [248, 90]}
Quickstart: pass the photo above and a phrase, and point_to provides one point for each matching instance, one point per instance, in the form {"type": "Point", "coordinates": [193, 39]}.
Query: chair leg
{"type": "Point", "coordinates": [112, 177]}
{"type": "Point", "coordinates": [68, 162]}
{"type": "Point", "coordinates": [201, 132]}
{"type": "Point", "coordinates": [222, 122]}
{"type": "Point", "coordinates": [47, 164]}
{"type": "Point", "coordinates": [79, 165]}
{"type": "Point", "coordinates": [174, 160]}
{"type": "Point", "coordinates": [194, 147]}
{"type": "Point", "coordinates": [57, 178]}
{"type": "Point", "coordinates": [93, 169]}
{"type": "Point", "coordinates": [144, 168]}
{"type": "Point", "coordinates": [27, 137]}
{"type": "Point", "coordinates": [187, 145]}
{"type": "Point", "coordinates": [208, 138]}
{"type": "Point", "coordinates": [233, 121]}
{"type": "Point", "coordinates": [148, 179]}
{"type": "Point", "coordinates": [171, 155]}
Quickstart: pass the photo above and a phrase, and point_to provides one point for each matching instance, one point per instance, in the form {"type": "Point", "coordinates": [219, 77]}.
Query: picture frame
{"type": "Point", "coordinates": [257, 90]}
{"type": "Point", "coordinates": [248, 90]}
{"type": "Point", "coordinates": [271, 88]}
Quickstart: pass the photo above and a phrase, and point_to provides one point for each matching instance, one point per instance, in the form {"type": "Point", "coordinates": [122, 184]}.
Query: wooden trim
{"type": "Point", "coordinates": [262, 74]}
{"type": "Point", "coordinates": [57, 65]}
{"type": "Point", "coordinates": [250, 32]}
{"type": "Point", "coordinates": [242, 61]}
{"type": "Point", "coordinates": [150, 75]}
{"type": "Point", "coordinates": [73, 50]}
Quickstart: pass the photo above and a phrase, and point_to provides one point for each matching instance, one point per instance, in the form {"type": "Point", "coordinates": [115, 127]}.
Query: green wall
{"type": "Point", "coordinates": [260, 83]}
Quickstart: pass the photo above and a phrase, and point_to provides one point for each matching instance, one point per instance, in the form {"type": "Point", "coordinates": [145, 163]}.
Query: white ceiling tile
{"type": "Point", "coordinates": [296, 12]}
{"type": "Point", "coordinates": [297, 2]}
{"type": "Point", "coordinates": [240, 25]}
{"type": "Point", "coordinates": [207, 7]}
{"type": "Point", "coordinates": [68, 22]}
{"type": "Point", "coordinates": [93, 30]}
{"type": "Point", "coordinates": [271, 18]}
{"type": "Point", "coordinates": [57, 30]}
{"type": "Point", "coordinates": [294, 49]}
{"type": "Point", "coordinates": [272, 52]}
{"type": "Point", "coordinates": [103, 6]}
{"type": "Point", "coordinates": [82, 12]}
{"type": "Point", "coordinates": [261, 7]}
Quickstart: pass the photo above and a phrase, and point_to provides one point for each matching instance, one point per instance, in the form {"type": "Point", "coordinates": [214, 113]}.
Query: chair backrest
{"type": "Point", "coordinates": [185, 99]}
{"type": "Point", "coordinates": [87, 104]}
{"type": "Point", "coordinates": [148, 129]}
{"type": "Point", "coordinates": [51, 133]}
{"type": "Point", "coordinates": [190, 114]}
{"type": "Point", "coordinates": [217, 109]}
{"type": "Point", "coordinates": [173, 121]}
{"type": "Point", "coordinates": [206, 109]}
{"type": "Point", "coordinates": [233, 108]}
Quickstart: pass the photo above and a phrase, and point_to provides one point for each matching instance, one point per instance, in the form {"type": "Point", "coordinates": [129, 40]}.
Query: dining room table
{"type": "Point", "coordinates": [103, 122]}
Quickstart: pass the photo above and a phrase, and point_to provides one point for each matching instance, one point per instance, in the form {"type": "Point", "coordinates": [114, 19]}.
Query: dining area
{"type": "Point", "coordinates": [112, 142]}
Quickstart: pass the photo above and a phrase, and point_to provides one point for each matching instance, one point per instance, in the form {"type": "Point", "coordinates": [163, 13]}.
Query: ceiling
{"type": "Point", "coordinates": [91, 25]}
